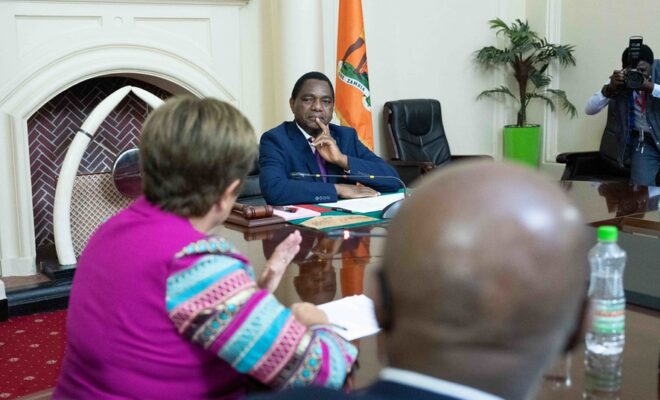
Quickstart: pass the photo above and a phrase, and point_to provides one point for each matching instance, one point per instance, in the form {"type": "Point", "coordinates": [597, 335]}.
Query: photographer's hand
{"type": "Point", "coordinates": [617, 83]}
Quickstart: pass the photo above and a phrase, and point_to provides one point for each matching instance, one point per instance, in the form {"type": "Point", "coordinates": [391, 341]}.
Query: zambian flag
{"type": "Point", "coordinates": [353, 99]}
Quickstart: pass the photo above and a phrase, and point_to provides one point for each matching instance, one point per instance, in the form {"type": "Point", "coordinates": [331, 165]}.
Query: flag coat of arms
{"type": "Point", "coordinates": [353, 99]}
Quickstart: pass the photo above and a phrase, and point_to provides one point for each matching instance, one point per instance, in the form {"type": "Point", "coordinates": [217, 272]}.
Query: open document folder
{"type": "Point", "coordinates": [367, 204]}
{"type": "Point", "coordinates": [352, 317]}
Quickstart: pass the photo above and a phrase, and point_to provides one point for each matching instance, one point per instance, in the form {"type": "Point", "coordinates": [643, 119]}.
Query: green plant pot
{"type": "Point", "coordinates": [523, 145]}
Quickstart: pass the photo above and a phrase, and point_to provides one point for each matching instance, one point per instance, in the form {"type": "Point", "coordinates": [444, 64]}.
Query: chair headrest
{"type": "Point", "coordinates": [419, 115]}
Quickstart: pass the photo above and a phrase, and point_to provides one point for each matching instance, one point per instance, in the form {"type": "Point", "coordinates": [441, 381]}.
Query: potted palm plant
{"type": "Point", "coordinates": [527, 56]}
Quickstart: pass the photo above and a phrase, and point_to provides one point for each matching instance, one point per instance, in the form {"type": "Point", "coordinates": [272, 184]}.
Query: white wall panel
{"type": "Point", "coordinates": [196, 31]}
{"type": "Point", "coordinates": [35, 30]}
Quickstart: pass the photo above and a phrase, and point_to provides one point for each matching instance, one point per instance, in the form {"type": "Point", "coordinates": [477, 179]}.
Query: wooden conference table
{"type": "Point", "coordinates": [328, 268]}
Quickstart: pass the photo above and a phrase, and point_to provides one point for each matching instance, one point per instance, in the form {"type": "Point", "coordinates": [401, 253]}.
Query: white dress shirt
{"type": "Point", "coordinates": [597, 101]}
{"type": "Point", "coordinates": [307, 137]}
{"type": "Point", "coordinates": [435, 385]}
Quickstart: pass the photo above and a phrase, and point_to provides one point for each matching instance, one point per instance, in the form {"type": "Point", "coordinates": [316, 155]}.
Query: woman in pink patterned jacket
{"type": "Point", "coordinates": [161, 310]}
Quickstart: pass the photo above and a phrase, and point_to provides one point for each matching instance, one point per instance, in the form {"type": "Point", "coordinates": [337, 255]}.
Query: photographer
{"type": "Point", "coordinates": [632, 133]}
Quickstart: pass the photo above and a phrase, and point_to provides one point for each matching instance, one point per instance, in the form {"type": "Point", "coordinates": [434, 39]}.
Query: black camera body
{"type": "Point", "coordinates": [633, 78]}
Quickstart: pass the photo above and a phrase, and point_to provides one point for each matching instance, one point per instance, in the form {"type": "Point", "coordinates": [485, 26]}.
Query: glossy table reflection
{"type": "Point", "coordinates": [328, 268]}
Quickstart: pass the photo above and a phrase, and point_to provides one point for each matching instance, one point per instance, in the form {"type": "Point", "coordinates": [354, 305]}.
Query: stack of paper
{"type": "Point", "coordinates": [334, 221]}
{"type": "Point", "coordinates": [353, 317]}
{"type": "Point", "coordinates": [367, 204]}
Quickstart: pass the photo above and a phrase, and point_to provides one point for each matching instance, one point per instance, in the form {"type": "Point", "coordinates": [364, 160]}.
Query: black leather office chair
{"type": "Point", "coordinates": [251, 191]}
{"type": "Point", "coordinates": [416, 137]}
{"type": "Point", "coordinates": [591, 166]}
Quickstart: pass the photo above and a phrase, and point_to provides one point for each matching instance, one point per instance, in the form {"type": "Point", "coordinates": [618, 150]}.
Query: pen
{"type": "Point", "coordinates": [286, 209]}
{"type": "Point", "coordinates": [332, 325]}
{"type": "Point", "coordinates": [341, 210]}
{"type": "Point", "coordinates": [343, 328]}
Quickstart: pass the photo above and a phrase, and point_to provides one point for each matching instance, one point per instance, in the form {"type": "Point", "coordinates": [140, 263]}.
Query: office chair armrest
{"type": "Point", "coordinates": [410, 170]}
{"type": "Point", "coordinates": [424, 166]}
{"type": "Point", "coordinates": [590, 166]}
{"type": "Point", "coordinates": [565, 158]}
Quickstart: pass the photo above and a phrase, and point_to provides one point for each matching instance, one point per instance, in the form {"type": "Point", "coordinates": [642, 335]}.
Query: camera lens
{"type": "Point", "coordinates": [634, 79]}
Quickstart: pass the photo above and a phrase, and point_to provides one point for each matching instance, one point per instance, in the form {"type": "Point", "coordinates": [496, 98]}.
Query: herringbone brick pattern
{"type": "Point", "coordinates": [52, 128]}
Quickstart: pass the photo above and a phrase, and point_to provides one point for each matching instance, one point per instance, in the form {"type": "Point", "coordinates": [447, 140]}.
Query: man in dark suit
{"type": "Point", "coordinates": [312, 145]}
{"type": "Point", "coordinates": [481, 288]}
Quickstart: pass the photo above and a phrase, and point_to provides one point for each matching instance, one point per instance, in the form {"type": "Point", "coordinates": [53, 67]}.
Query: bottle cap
{"type": "Point", "coordinates": [607, 233]}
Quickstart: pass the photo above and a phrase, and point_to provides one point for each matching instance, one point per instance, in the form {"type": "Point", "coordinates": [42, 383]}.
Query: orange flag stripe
{"type": "Point", "coordinates": [353, 98]}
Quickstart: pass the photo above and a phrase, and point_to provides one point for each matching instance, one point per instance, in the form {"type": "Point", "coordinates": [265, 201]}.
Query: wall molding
{"type": "Point", "coordinates": [551, 119]}
{"type": "Point", "coordinates": [500, 108]}
{"type": "Point", "coordinates": [15, 225]}
{"type": "Point", "coordinates": [54, 76]}
{"type": "Point", "coordinates": [23, 266]}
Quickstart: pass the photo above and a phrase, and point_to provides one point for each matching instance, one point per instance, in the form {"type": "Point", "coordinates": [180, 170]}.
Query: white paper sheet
{"type": "Point", "coordinates": [367, 204]}
{"type": "Point", "coordinates": [355, 313]}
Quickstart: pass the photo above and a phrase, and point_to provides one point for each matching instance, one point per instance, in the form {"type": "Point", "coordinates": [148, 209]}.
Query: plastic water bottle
{"type": "Point", "coordinates": [606, 335]}
{"type": "Point", "coordinates": [602, 376]}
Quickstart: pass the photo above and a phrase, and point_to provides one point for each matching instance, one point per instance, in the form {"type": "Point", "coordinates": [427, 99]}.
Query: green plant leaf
{"type": "Point", "coordinates": [548, 101]}
{"type": "Point", "coordinates": [500, 26]}
{"type": "Point", "coordinates": [539, 79]}
{"type": "Point", "coordinates": [519, 33]}
{"type": "Point", "coordinates": [491, 55]}
{"type": "Point", "coordinates": [528, 56]}
{"type": "Point", "coordinates": [565, 104]}
{"type": "Point", "coordinates": [502, 90]}
{"type": "Point", "coordinates": [561, 53]}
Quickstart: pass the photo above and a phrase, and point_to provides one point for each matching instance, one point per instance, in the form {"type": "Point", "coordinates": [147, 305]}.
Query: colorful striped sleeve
{"type": "Point", "coordinates": [213, 300]}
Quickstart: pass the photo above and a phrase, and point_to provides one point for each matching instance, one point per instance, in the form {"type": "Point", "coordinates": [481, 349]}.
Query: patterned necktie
{"type": "Point", "coordinates": [320, 162]}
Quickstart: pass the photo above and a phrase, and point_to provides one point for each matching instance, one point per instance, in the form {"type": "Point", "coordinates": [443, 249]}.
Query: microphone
{"type": "Point", "coordinates": [388, 212]}
{"type": "Point", "coordinates": [299, 175]}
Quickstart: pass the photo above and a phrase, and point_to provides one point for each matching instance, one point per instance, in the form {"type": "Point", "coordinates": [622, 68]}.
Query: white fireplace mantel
{"type": "Point", "coordinates": [49, 46]}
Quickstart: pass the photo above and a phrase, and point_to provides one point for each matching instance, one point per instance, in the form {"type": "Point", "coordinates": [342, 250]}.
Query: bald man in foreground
{"type": "Point", "coordinates": [481, 287]}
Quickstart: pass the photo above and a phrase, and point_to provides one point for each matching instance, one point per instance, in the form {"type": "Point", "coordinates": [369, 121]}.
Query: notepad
{"type": "Point", "coordinates": [355, 313]}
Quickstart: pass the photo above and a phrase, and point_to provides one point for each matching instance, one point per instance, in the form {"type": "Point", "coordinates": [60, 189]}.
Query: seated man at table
{"type": "Point", "coordinates": [312, 145]}
{"type": "Point", "coordinates": [479, 291]}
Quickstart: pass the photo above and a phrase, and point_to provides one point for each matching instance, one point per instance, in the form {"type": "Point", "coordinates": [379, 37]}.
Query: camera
{"type": "Point", "coordinates": [633, 78]}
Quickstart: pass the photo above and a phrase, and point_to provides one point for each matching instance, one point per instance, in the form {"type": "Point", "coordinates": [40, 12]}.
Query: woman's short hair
{"type": "Point", "coordinates": [191, 149]}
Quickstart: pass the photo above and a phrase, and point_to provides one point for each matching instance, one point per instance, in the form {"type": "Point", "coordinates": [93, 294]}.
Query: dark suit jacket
{"type": "Point", "coordinates": [382, 390]}
{"type": "Point", "coordinates": [284, 150]}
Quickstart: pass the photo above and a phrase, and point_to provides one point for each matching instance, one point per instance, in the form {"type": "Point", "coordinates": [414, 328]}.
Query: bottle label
{"type": "Point", "coordinates": [609, 318]}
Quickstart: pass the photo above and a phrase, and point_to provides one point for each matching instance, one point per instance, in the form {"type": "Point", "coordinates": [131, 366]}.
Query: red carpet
{"type": "Point", "coordinates": [31, 350]}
